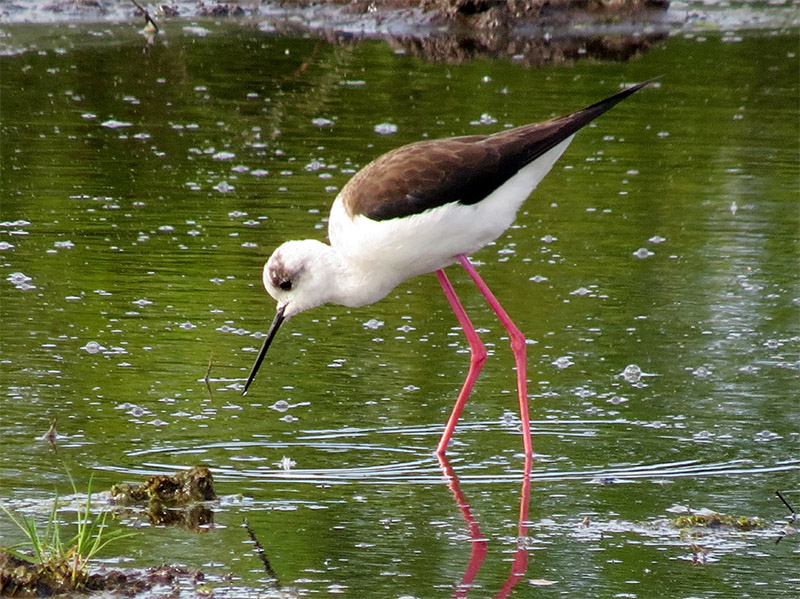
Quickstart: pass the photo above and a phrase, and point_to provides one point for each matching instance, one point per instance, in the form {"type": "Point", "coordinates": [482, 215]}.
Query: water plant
{"type": "Point", "coordinates": [63, 561]}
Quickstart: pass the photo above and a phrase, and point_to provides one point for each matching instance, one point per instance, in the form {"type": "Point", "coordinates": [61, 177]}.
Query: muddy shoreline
{"type": "Point", "coordinates": [532, 32]}
{"type": "Point", "coordinates": [480, 14]}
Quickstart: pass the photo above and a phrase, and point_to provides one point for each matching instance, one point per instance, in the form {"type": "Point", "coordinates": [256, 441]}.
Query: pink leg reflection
{"type": "Point", "coordinates": [520, 563]}
{"type": "Point", "coordinates": [479, 542]}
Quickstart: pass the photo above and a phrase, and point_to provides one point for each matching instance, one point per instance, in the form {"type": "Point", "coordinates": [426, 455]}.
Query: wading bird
{"type": "Point", "coordinates": [416, 210]}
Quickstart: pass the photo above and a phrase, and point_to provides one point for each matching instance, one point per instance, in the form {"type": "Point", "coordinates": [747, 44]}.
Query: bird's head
{"type": "Point", "coordinates": [299, 275]}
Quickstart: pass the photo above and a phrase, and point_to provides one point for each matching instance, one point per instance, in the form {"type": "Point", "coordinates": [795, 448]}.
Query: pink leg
{"type": "Point", "coordinates": [477, 358]}
{"type": "Point", "coordinates": [517, 346]}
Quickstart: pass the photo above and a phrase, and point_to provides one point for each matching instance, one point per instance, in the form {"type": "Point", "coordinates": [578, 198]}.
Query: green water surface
{"type": "Point", "coordinates": [143, 189]}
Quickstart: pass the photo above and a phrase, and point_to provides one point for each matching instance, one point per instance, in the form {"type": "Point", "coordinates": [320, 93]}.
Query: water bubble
{"type": "Point", "coordinates": [4, 245]}
{"type": "Point", "coordinates": [314, 165]}
{"type": "Point", "coordinates": [581, 291]}
{"type": "Point", "coordinates": [766, 436]}
{"type": "Point", "coordinates": [224, 187]}
{"type": "Point", "coordinates": [280, 406]}
{"type": "Point", "coordinates": [223, 156]}
{"type": "Point", "coordinates": [142, 302]}
{"type": "Point", "coordinates": [486, 119]}
{"type": "Point", "coordinates": [373, 324]}
{"type": "Point", "coordinates": [321, 122]}
{"type": "Point", "coordinates": [199, 32]}
{"type": "Point", "coordinates": [703, 436]}
{"type": "Point", "coordinates": [701, 372]}
{"type": "Point", "coordinates": [18, 277]}
{"type": "Point", "coordinates": [20, 281]}
{"type": "Point", "coordinates": [135, 410]}
{"type": "Point", "coordinates": [657, 239]}
{"type": "Point", "coordinates": [93, 347]}
{"type": "Point", "coordinates": [632, 373]}
{"type": "Point", "coordinates": [563, 362]}
{"type": "Point", "coordinates": [115, 124]}
{"type": "Point", "coordinates": [385, 128]}
{"type": "Point", "coordinates": [537, 278]}
{"type": "Point", "coordinates": [643, 253]}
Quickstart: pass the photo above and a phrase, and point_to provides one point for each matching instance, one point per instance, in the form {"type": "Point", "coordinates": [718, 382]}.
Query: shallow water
{"type": "Point", "coordinates": [142, 189]}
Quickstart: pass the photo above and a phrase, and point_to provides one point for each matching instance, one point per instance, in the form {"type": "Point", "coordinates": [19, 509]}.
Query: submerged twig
{"type": "Point", "coordinates": [786, 503]}
{"type": "Point", "coordinates": [150, 24]}
{"type": "Point", "coordinates": [261, 553]}
{"type": "Point", "coordinates": [207, 379]}
{"type": "Point", "coordinates": [52, 434]}
{"type": "Point", "coordinates": [789, 529]}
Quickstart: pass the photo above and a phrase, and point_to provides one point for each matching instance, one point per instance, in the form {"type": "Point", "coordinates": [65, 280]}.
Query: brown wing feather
{"type": "Point", "coordinates": [428, 174]}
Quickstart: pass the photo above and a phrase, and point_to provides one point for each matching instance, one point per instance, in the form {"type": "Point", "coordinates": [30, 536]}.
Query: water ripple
{"type": "Point", "coordinates": [413, 465]}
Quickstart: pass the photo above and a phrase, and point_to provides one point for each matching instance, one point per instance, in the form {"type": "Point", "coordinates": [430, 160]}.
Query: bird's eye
{"type": "Point", "coordinates": [285, 285]}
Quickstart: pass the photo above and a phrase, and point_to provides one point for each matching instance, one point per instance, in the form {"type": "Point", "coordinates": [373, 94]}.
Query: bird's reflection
{"type": "Point", "coordinates": [480, 543]}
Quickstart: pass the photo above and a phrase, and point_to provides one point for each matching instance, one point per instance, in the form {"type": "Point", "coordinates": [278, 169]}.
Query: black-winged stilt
{"type": "Point", "coordinates": [418, 209]}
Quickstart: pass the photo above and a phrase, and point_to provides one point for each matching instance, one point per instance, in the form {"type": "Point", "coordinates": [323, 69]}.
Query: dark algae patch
{"type": "Point", "coordinates": [181, 488]}
{"type": "Point", "coordinates": [172, 500]}
{"type": "Point", "coordinates": [23, 578]}
{"type": "Point", "coordinates": [707, 519]}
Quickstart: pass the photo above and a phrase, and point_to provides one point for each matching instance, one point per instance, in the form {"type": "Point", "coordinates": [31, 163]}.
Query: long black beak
{"type": "Point", "coordinates": [270, 336]}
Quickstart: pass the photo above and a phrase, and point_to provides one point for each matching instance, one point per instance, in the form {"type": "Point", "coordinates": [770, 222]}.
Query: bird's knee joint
{"type": "Point", "coordinates": [518, 343]}
{"type": "Point", "coordinates": [479, 354]}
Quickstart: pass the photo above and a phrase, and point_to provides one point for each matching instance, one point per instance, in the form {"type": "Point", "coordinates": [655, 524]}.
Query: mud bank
{"type": "Point", "coordinates": [411, 13]}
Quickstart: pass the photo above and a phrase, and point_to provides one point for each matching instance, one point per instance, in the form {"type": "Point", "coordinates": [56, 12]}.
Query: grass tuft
{"type": "Point", "coordinates": [65, 561]}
